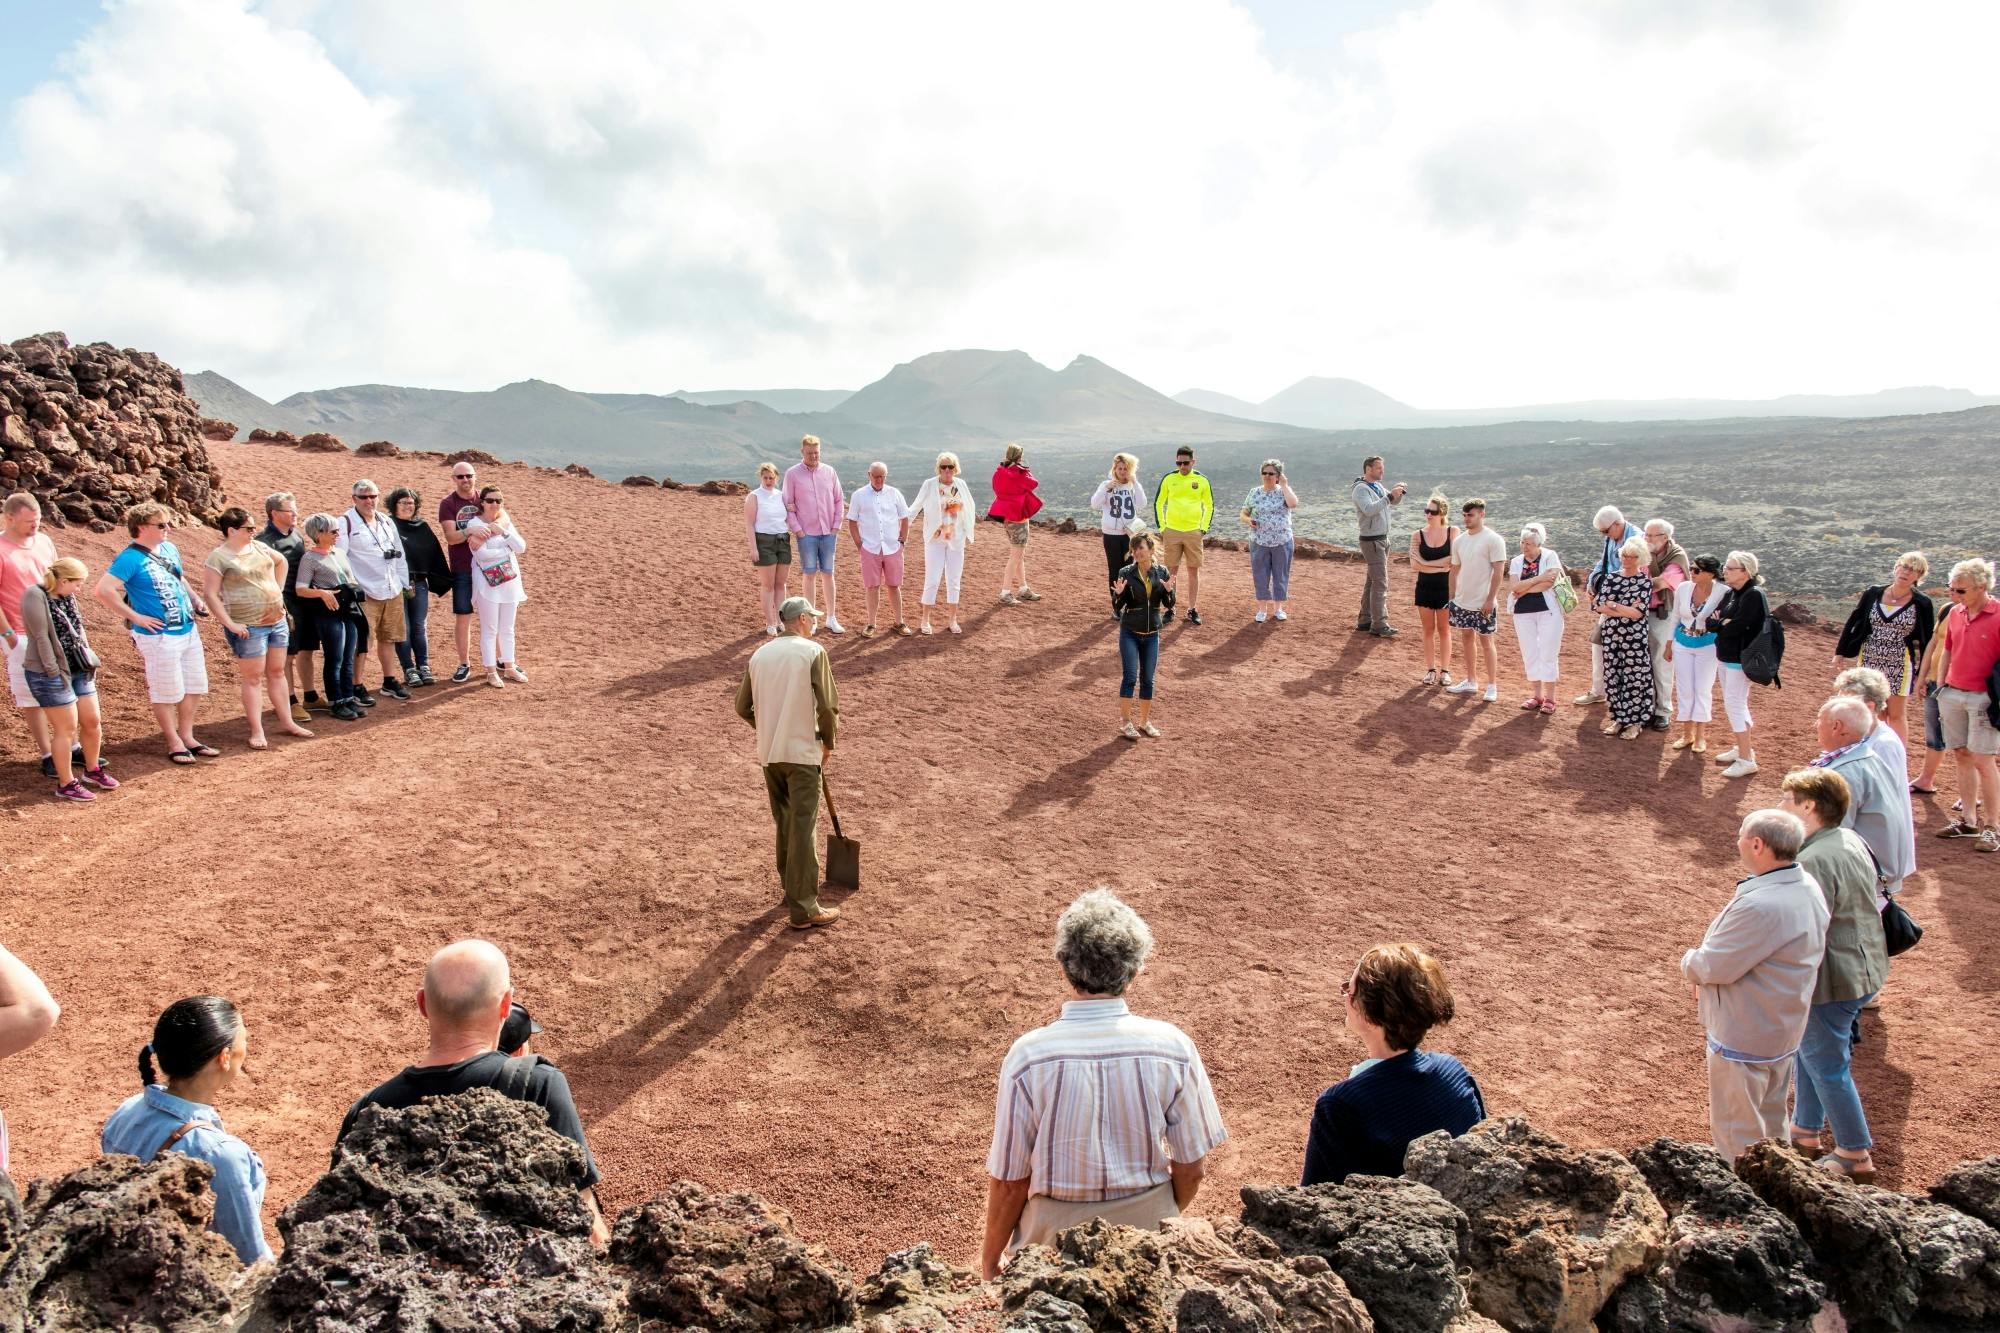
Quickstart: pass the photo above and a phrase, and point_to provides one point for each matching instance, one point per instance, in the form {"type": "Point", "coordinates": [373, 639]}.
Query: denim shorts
{"type": "Point", "coordinates": [256, 640]}
{"type": "Point", "coordinates": [53, 689]}
{"type": "Point", "coordinates": [461, 592]}
{"type": "Point", "coordinates": [816, 553]}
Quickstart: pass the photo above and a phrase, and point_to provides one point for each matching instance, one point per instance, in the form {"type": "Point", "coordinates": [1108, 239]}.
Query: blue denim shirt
{"type": "Point", "coordinates": [143, 1121]}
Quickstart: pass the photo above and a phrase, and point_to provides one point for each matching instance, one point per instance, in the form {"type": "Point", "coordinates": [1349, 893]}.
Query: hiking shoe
{"type": "Point", "coordinates": [1989, 841]}
{"type": "Point", "coordinates": [1150, 730]}
{"type": "Point", "coordinates": [362, 696]}
{"type": "Point", "coordinates": [420, 676]}
{"type": "Point", "coordinates": [463, 674]}
{"type": "Point", "coordinates": [315, 704]}
{"type": "Point", "coordinates": [1027, 594]}
{"type": "Point", "coordinates": [1194, 617]}
{"type": "Point", "coordinates": [826, 916]}
{"type": "Point", "coordinates": [73, 791]}
{"type": "Point", "coordinates": [1006, 598]}
{"type": "Point", "coordinates": [515, 674]}
{"type": "Point", "coordinates": [98, 777]}
{"type": "Point", "coordinates": [1386, 632]}
{"type": "Point", "coordinates": [1129, 732]}
{"type": "Point", "coordinates": [394, 689]}
{"type": "Point", "coordinates": [1958, 828]}
{"type": "Point", "coordinates": [1587, 698]}
{"type": "Point", "coordinates": [347, 712]}
{"type": "Point", "coordinates": [48, 765]}
{"type": "Point", "coordinates": [1742, 768]}
{"type": "Point", "coordinates": [300, 713]}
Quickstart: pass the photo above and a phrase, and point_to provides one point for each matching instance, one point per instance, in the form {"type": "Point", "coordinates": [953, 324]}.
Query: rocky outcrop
{"type": "Point", "coordinates": [1554, 1230]}
{"type": "Point", "coordinates": [263, 436]}
{"type": "Point", "coordinates": [91, 431]}
{"type": "Point", "coordinates": [321, 442]}
{"type": "Point", "coordinates": [116, 1243]}
{"type": "Point", "coordinates": [639, 479]}
{"type": "Point", "coordinates": [1974, 1188]}
{"type": "Point", "coordinates": [578, 470]}
{"type": "Point", "coordinates": [723, 488]}
{"type": "Point", "coordinates": [214, 429]}
{"type": "Point", "coordinates": [1730, 1259]}
{"type": "Point", "coordinates": [477, 457]}
{"type": "Point", "coordinates": [377, 449]}
{"type": "Point", "coordinates": [1397, 1245]}
{"type": "Point", "coordinates": [729, 1262]}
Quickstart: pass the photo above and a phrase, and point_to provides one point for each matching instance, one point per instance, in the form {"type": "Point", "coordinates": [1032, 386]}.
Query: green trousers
{"type": "Point", "coordinates": [794, 792]}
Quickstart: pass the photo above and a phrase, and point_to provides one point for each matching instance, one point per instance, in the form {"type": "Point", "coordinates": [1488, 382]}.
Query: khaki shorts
{"type": "Point", "coordinates": [385, 619]}
{"type": "Point", "coordinates": [1017, 533]}
{"type": "Point", "coordinates": [1962, 718]}
{"type": "Point", "coordinates": [1175, 544]}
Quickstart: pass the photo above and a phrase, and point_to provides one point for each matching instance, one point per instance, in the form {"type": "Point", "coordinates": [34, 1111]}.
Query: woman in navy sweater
{"type": "Point", "coordinates": [1363, 1124]}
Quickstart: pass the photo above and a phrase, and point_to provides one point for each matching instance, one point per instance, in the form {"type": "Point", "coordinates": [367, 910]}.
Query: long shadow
{"type": "Point", "coordinates": [1417, 723]}
{"type": "Point", "coordinates": [1886, 1091]}
{"type": "Point", "coordinates": [724, 660]}
{"type": "Point", "coordinates": [1242, 645]}
{"type": "Point", "coordinates": [1329, 678]}
{"type": "Point", "coordinates": [1050, 658]}
{"type": "Point", "coordinates": [696, 1011]}
{"type": "Point", "coordinates": [1520, 734]}
{"type": "Point", "coordinates": [1071, 781]}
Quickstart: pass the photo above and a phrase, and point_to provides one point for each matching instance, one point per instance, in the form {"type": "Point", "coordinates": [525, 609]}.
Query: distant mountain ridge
{"type": "Point", "coordinates": [778, 400]}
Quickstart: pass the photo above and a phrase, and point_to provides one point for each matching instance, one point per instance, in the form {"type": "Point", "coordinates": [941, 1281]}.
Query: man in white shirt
{"type": "Point", "coordinates": [367, 537]}
{"type": "Point", "coordinates": [878, 519]}
{"type": "Point", "coordinates": [1477, 559]}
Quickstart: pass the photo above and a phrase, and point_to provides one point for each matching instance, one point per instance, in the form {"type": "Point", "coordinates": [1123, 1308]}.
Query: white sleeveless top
{"type": "Point", "coordinates": [770, 510]}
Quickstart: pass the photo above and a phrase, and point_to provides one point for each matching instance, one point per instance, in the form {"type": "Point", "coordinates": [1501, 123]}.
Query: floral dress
{"type": "Point", "coordinates": [1888, 645]}
{"type": "Point", "coordinates": [1628, 655]}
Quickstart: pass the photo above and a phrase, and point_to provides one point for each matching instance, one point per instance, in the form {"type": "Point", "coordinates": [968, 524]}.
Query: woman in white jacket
{"type": "Point", "coordinates": [1693, 652]}
{"type": "Point", "coordinates": [497, 591]}
{"type": "Point", "coordinates": [1538, 616]}
{"type": "Point", "coordinates": [946, 515]}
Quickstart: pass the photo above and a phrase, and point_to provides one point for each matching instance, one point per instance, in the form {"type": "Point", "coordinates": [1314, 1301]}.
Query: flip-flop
{"type": "Point", "coordinates": [181, 757]}
{"type": "Point", "coordinates": [204, 751]}
{"type": "Point", "coordinates": [1915, 790]}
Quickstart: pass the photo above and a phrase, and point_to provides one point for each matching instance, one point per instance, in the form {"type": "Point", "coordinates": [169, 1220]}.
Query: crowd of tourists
{"type": "Point", "coordinates": [285, 596]}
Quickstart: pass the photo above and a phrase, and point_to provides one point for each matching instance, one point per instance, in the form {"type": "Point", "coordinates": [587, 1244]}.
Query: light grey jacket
{"type": "Point", "coordinates": [1857, 956]}
{"type": "Point", "coordinates": [1758, 964]}
{"type": "Point", "coordinates": [1875, 812]}
{"type": "Point", "coordinates": [1371, 505]}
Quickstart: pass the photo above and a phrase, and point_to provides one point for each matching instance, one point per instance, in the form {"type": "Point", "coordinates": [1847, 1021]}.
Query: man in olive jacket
{"type": "Point", "coordinates": [787, 694]}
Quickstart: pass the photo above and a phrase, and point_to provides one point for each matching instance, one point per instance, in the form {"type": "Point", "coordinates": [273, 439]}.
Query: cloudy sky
{"type": "Point", "coordinates": [1461, 202]}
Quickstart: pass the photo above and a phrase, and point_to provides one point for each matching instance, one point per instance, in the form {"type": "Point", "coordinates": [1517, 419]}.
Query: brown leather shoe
{"type": "Point", "coordinates": [825, 917]}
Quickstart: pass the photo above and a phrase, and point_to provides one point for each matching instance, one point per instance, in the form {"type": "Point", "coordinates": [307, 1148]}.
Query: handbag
{"type": "Point", "coordinates": [1900, 931]}
{"type": "Point", "coordinates": [1564, 593]}
{"type": "Point", "coordinates": [502, 572]}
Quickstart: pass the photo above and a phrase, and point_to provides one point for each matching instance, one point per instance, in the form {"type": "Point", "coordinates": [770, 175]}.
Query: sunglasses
{"type": "Point", "coordinates": [1435, 513]}
{"type": "Point", "coordinates": [1960, 592]}
{"type": "Point", "coordinates": [946, 467]}
{"type": "Point", "coordinates": [494, 500]}
{"type": "Point", "coordinates": [461, 476]}
{"type": "Point", "coordinates": [368, 495]}
{"type": "Point", "coordinates": [1270, 474]}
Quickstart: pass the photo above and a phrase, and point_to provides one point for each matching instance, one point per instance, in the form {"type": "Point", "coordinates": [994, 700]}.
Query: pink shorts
{"type": "Point", "coordinates": [877, 570]}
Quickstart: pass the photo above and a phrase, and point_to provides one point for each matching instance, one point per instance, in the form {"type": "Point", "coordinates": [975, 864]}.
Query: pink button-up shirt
{"type": "Point", "coordinates": [814, 503]}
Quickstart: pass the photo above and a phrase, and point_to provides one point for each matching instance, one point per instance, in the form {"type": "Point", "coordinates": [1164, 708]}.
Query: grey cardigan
{"type": "Point", "coordinates": [44, 653]}
{"type": "Point", "coordinates": [1857, 957]}
{"type": "Point", "coordinates": [1758, 964]}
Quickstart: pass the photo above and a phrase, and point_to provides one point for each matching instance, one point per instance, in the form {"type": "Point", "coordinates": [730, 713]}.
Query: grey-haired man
{"type": "Point", "coordinates": [788, 695]}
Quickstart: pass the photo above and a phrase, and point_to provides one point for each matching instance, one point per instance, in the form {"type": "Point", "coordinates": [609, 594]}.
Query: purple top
{"type": "Point", "coordinates": [814, 502]}
{"type": "Point", "coordinates": [454, 512]}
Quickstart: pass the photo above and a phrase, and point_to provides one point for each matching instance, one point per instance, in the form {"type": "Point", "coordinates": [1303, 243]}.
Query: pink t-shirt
{"type": "Point", "coordinates": [813, 499]}
{"type": "Point", "coordinates": [20, 568]}
{"type": "Point", "coordinates": [1974, 646]}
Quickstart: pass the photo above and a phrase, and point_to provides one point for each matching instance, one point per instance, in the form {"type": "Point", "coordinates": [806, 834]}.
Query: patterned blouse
{"type": "Point", "coordinates": [1273, 520]}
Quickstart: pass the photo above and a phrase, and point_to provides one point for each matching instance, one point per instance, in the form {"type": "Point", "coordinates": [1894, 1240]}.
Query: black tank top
{"type": "Point", "coordinates": [1429, 552]}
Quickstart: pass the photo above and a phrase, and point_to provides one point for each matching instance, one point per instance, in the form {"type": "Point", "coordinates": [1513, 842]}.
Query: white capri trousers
{"type": "Point", "coordinates": [1660, 633]}
{"type": "Point", "coordinates": [1736, 697]}
{"type": "Point", "coordinates": [1694, 683]}
{"type": "Point", "coordinates": [942, 562]}
{"type": "Point", "coordinates": [496, 630]}
{"type": "Point", "coordinates": [1541, 637]}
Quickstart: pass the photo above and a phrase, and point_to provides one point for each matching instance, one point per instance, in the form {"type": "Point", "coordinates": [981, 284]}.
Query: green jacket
{"type": "Point", "coordinates": [1857, 960]}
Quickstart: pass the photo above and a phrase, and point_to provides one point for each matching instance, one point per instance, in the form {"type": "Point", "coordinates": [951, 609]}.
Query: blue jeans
{"type": "Point", "coordinates": [1271, 571]}
{"type": "Point", "coordinates": [1825, 1082]}
{"type": "Point", "coordinates": [1138, 654]}
{"type": "Point", "coordinates": [338, 633]}
{"type": "Point", "coordinates": [816, 552]}
{"type": "Point", "coordinates": [416, 645]}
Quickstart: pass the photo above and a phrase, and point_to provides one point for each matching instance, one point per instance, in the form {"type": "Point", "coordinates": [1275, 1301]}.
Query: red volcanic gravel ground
{"type": "Point", "coordinates": [607, 826]}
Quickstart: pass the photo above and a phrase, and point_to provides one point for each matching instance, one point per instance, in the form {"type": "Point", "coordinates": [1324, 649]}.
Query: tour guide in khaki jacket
{"type": "Point", "coordinates": [787, 694]}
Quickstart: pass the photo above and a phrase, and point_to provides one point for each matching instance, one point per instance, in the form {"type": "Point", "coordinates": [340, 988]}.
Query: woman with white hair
{"type": "Point", "coordinates": [1890, 630]}
{"type": "Point", "coordinates": [1737, 619]}
{"type": "Point", "coordinates": [1538, 616]}
{"type": "Point", "coordinates": [1119, 499]}
{"type": "Point", "coordinates": [946, 514]}
{"type": "Point", "coordinates": [1102, 1113]}
{"type": "Point", "coordinates": [1267, 512]}
{"type": "Point", "coordinates": [770, 538]}
{"type": "Point", "coordinates": [1621, 600]}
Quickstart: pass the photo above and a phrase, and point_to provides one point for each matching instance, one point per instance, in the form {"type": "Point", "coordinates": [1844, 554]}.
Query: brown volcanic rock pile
{"type": "Point", "coordinates": [92, 430]}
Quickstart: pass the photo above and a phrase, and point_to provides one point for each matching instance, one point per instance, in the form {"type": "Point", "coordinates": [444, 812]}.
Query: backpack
{"type": "Point", "coordinates": [1765, 653]}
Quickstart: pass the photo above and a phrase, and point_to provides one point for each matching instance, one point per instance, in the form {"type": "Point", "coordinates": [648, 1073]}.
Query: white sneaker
{"type": "Point", "coordinates": [1281, 614]}
{"type": "Point", "coordinates": [1742, 768]}
{"type": "Point", "coordinates": [1260, 617]}
{"type": "Point", "coordinates": [1492, 693]}
{"type": "Point", "coordinates": [1589, 697]}
{"type": "Point", "coordinates": [770, 631]}
{"type": "Point", "coordinates": [834, 626]}
{"type": "Point", "coordinates": [1466, 686]}
{"type": "Point", "coordinates": [493, 679]}
{"type": "Point", "coordinates": [1129, 732]}
{"type": "Point", "coordinates": [1727, 756]}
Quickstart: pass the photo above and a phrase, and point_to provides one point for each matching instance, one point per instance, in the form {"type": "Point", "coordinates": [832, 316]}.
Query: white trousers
{"type": "Point", "coordinates": [1736, 697]}
{"type": "Point", "coordinates": [496, 631]}
{"type": "Point", "coordinates": [1694, 683]}
{"type": "Point", "coordinates": [1660, 633]}
{"type": "Point", "coordinates": [1541, 636]}
{"type": "Point", "coordinates": [943, 562]}
{"type": "Point", "coordinates": [1597, 666]}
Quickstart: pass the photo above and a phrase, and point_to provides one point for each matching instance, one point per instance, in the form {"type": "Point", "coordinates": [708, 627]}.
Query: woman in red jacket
{"type": "Point", "coordinates": [1014, 503]}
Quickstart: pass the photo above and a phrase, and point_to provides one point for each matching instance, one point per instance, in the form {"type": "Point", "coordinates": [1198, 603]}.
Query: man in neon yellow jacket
{"type": "Point", "coordinates": [1184, 506]}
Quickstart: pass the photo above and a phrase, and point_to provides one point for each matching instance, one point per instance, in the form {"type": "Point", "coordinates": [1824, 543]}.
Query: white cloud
{"type": "Point", "coordinates": [1479, 201]}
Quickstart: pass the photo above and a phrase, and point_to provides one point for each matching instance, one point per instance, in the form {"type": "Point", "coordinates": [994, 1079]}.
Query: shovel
{"type": "Point", "coordinates": [843, 855]}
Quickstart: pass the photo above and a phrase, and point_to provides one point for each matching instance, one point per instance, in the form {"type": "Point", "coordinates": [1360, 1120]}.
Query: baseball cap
{"type": "Point", "coordinates": [794, 607]}
{"type": "Point", "coordinates": [520, 1026]}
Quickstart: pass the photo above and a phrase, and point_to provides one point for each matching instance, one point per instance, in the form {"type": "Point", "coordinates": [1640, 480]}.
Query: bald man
{"type": "Point", "coordinates": [465, 999]}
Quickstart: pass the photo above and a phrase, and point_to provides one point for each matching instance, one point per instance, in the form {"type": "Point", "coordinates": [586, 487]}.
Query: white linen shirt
{"type": "Point", "coordinates": [880, 515]}
{"type": "Point", "coordinates": [366, 546]}
{"type": "Point", "coordinates": [1100, 1103]}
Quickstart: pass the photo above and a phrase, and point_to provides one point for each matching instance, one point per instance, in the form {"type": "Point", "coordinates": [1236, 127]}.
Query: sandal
{"type": "Point", "coordinates": [1548, 705]}
{"type": "Point", "coordinates": [867, 631]}
{"type": "Point", "coordinates": [1915, 790]}
{"type": "Point", "coordinates": [1430, 677]}
{"type": "Point", "coordinates": [1444, 677]}
{"type": "Point", "coordinates": [204, 751]}
{"type": "Point", "coordinates": [1836, 1165]}
{"type": "Point", "coordinates": [903, 629]}
{"type": "Point", "coordinates": [1811, 1149]}
{"type": "Point", "coordinates": [181, 757]}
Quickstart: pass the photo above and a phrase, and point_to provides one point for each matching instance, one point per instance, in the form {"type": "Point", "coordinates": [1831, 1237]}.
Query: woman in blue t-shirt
{"type": "Point", "coordinates": [145, 587]}
{"type": "Point", "coordinates": [1364, 1124]}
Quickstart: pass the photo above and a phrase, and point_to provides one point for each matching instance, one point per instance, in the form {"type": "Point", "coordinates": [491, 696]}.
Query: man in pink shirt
{"type": "Point", "coordinates": [1971, 650]}
{"type": "Point", "coordinates": [25, 555]}
{"type": "Point", "coordinates": [814, 507]}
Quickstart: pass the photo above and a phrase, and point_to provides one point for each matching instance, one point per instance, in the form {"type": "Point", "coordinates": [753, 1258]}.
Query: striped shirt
{"type": "Point", "coordinates": [1098, 1104]}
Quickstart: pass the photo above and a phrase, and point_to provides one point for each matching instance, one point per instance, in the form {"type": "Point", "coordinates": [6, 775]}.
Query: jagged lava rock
{"type": "Point", "coordinates": [378, 449]}
{"type": "Point", "coordinates": [1039, 1312]}
{"type": "Point", "coordinates": [478, 457]}
{"type": "Point", "coordinates": [322, 443]}
{"type": "Point", "coordinates": [1972, 1187]}
{"type": "Point", "coordinates": [1233, 1280]}
{"type": "Point", "coordinates": [215, 429]}
{"type": "Point", "coordinates": [1887, 1256]}
{"type": "Point", "coordinates": [578, 470]}
{"type": "Point", "coordinates": [460, 1212]}
{"type": "Point", "coordinates": [727, 1262]}
{"type": "Point", "coordinates": [911, 1290]}
{"type": "Point", "coordinates": [1731, 1260]}
{"type": "Point", "coordinates": [723, 488]}
{"type": "Point", "coordinates": [638, 479]}
{"type": "Point", "coordinates": [1117, 1276]}
{"type": "Point", "coordinates": [1554, 1230]}
{"type": "Point", "coordinates": [115, 1244]}
{"type": "Point", "coordinates": [1398, 1245]}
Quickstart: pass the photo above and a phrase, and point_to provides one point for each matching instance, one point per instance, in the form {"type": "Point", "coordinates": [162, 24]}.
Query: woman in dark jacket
{"type": "Point", "coordinates": [1738, 617]}
{"type": "Point", "coordinates": [1890, 630]}
{"type": "Point", "coordinates": [1144, 602]}
{"type": "Point", "coordinates": [429, 573]}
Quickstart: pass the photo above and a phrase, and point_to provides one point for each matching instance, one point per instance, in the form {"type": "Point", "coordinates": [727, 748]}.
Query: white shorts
{"type": "Point", "coordinates": [17, 672]}
{"type": "Point", "coordinates": [175, 665]}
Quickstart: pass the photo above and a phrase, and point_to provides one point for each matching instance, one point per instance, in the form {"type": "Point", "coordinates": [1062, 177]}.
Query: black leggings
{"type": "Point", "coordinates": [1117, 554]}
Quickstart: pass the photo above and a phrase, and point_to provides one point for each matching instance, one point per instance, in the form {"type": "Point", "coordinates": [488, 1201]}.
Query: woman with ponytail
{"type": "Point", "coordinates": [199, 1045]}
